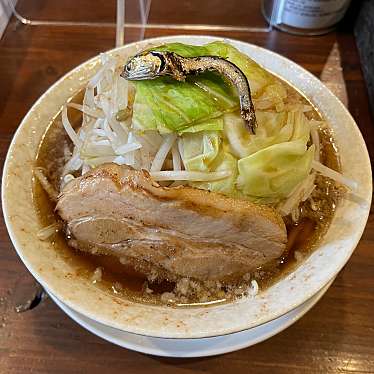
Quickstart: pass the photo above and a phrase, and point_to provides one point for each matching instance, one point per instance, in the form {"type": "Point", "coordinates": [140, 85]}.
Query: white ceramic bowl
{"type": "Point", "coordinates": [193, 347]}
{"type": "Point", "coordinates": [50, 268]}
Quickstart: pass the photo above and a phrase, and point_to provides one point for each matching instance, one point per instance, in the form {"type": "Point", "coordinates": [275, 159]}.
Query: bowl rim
{"type": "Point", "coordinates": [165, 333]}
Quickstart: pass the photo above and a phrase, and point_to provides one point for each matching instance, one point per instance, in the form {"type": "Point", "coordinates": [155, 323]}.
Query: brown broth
{"type": "Point", "coordinates": [125, 281]}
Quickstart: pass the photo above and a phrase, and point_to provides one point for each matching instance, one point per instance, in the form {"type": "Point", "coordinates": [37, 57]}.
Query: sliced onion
{"type": "Point", "coordinates": [92, 149]}
{"type": "Point", "coordinates": [315, 139]}
{"type": "Point", "coordinates": [97, 113]}
{"type": "Point", "coordinates": [193, 176]}
{"type": "Point", "coordinates": [337, 177]}
{"type": "Point", "coordinates": [99, 132]}
{"type": "Point", "coordinates": [69, 129]}
{"type": "Point", "coordinates": [129, 147]}
{"type": "Point", "coordinates": [46, 232]}
{"type": "Point", "coordinates": [108, 131]}
{"type": "Point", "coordinates": [163, 151]}
{"type": "Point", "coordinates": [176, 158]}
{"type": "Point", "coordinates": [96, 78]}
{"type": "Point", "coordinates": [121, 92]}
{"type": "Point", "coordinates": [120, 131]}
{"type": "Point", "coordinates": [82, 134]}
{"type": "Point", "coordinates": [47, 186]}
{"type": "Point", "coordinates": [75, 162]}
{"type": "Point", "coordinates": [96, 161]}
{"type": "Point", "coordinates": [89, 97]}
{"type": "Point", "coordinates": [181, 151]}
{"type": "Point", "coordinates": [101, 142]}
{"type": "Point", "coordinates": [302, 191]}
{"type": "Point", "coordinates": [106, 83]}
{"type": "Point", "coordinates": [107, 106]}
{"type": "Point", "coordinates": [120, 160]}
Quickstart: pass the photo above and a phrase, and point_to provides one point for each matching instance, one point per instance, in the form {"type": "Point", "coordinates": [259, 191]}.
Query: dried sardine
{"type": "Point", "coordinates": [153, 64]}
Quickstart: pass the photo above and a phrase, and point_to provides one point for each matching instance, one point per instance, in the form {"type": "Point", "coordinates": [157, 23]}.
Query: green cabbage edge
{"type": "Point", "coordinates": [266, 167]}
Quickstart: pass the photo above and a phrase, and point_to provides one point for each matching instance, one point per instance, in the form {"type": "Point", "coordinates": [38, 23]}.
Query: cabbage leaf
{"type": "Point", "coordinates": [227, 186]}
{"type": "Point", "coordinates": [273, 128]}
{"type": "Point", "coordinates": [196, 104]}
{"type": "Point", "coordinates": [275, 171]}
{"type": "Point", "coordinates": [265, 167]}
{"type": "Point", "coordinates": [199, 150]}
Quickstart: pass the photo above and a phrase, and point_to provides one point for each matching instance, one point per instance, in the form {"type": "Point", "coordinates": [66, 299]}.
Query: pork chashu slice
{"type": "Point", "coordinates": [185, 232]}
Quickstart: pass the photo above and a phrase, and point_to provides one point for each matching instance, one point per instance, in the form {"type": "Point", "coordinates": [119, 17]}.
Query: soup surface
{"type": "Point", "coordinates": [125, 281]}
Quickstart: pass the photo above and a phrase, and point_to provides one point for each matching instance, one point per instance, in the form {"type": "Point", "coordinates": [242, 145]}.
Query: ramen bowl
{"type": "Point", "coordinates": [58, 275]}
